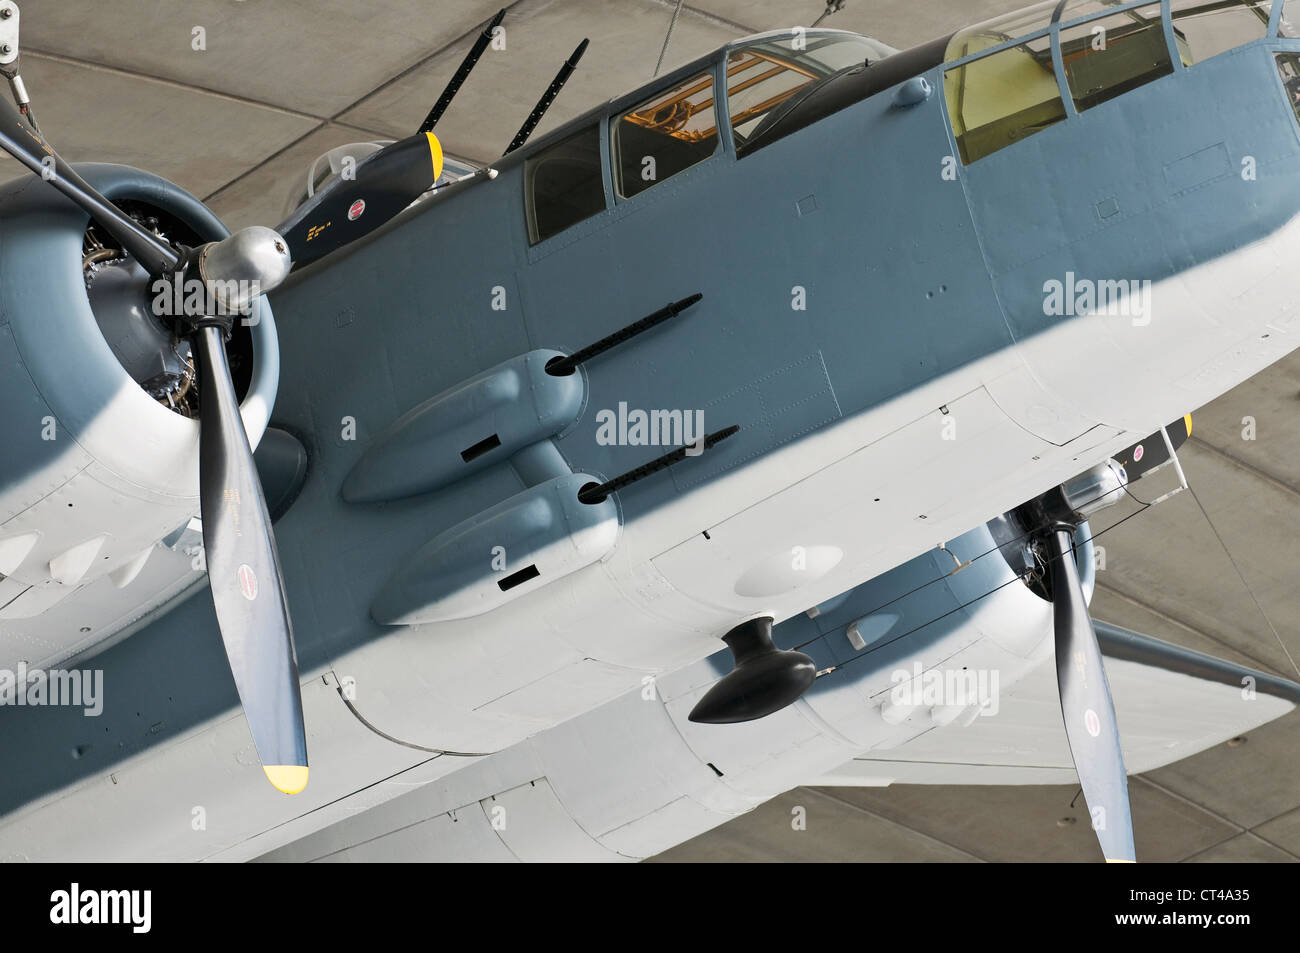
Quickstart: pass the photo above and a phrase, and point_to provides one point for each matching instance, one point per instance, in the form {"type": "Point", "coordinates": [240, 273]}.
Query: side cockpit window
{"type": "Point", "coordinates": [665, 135]}
{"type": "Point", "coordinates": [1003, 98]}
{"type": "Point", "coordinates": [1205, 28]}
{"type": "Point", "coordinates": [1108, 57]}
{"type": "Point", "coordinates": [564, 184]}
{"type": "Point", "coordinates": [1289, 23]}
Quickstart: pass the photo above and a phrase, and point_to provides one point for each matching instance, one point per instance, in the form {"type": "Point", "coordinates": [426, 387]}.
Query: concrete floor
{"type": "Point", "coordinates": [279, 83]}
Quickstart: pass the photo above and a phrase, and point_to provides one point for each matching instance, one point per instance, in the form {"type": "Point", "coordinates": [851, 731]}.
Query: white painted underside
{"type": "Point", "coordinates": [1163, 717]}
{"type": "Point", "coordinates": [632, 778]}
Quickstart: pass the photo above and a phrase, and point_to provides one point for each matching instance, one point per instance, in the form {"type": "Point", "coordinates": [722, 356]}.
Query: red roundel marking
{"type": "Point", "coordinates": [1092, 722]}
{"type": "Point", "coordinates": [357, 210]}
{"type": "Point", "coordinates": [247, 582]}
{"type": "Point", "coordinates": [1137, 453]}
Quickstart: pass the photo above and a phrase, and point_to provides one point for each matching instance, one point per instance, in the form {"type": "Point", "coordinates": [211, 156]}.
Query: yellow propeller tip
{"type": "Point", "coordinates": [1110, 860]}
{"type": "Point", "coordinates": [1187, 418]}
{"type": "Point", "coordinates": [286, 778]}
{"type": "Point", "coordinates": [435, 154]}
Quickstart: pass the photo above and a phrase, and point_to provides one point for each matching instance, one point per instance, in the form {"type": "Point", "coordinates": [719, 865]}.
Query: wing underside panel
{"type": "Point", "coordinates": [1171, 702]}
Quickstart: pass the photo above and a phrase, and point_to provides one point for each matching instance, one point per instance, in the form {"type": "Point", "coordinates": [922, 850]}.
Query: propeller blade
{"type": "Point", "coordinates": [244, 574]}
{"type": "Point", "coordinates": [1087, 707]}
{"type": "Point", "coordinates": [385, 183]}
{"type": "Point", "coordinates": [20, 140]}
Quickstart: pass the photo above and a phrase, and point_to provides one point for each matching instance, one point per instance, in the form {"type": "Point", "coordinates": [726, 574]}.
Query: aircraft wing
{"type": "Point", "coordinates": [1171, 702]}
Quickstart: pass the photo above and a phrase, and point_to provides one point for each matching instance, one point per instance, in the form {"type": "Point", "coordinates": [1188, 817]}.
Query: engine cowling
{"type": "Point", "coordinates": [95, 466]}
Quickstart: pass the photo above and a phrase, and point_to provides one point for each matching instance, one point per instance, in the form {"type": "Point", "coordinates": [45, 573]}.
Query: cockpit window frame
{"type": "Point", "coordinates": [532, 227]}
{"type": "Point", "coordinates": [1054, 26]}
{"type": "Point", "coordinates": [613, 146]}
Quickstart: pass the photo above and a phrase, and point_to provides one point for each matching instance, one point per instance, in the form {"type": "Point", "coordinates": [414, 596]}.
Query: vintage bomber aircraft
{"type": "Point", "coordinates": [914, 293]}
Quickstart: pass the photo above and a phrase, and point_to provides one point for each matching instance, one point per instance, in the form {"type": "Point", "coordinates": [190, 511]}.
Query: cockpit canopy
{"type": "Point", "coordinates": [1006, 83]}
{"type": "Point", "coordinates": [767, 77]}
{"type": "Point", "coordinates": [677, 126]}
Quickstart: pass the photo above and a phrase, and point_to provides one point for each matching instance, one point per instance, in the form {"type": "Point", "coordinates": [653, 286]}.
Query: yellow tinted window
{"type": "Point", "coordinates": [1002, 99]}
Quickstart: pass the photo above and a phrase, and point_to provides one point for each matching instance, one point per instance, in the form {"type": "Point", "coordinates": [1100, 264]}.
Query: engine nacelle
{"type": "Point", "coordinates": [94, 468]}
